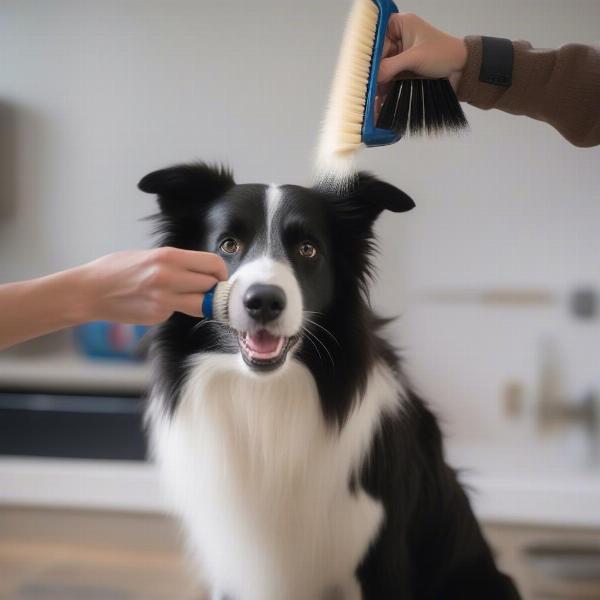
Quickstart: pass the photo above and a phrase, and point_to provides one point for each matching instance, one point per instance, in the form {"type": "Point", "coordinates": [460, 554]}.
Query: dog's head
{"type": "Point", "coordinates": [299, 259]}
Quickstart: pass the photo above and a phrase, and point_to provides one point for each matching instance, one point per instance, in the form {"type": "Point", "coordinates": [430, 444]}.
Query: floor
{"type": "Point", "coordinates": [71, 555]}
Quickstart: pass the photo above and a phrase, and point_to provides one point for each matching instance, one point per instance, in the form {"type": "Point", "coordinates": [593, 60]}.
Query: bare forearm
{"type": "Point", "coordinates": [141, 287]}
{"type": "Point", "coordinates": [32, 308]}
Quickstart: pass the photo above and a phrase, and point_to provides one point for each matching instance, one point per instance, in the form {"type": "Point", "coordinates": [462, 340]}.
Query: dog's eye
{"type": "Point", "coordinates": [307, 250]}
{"type": "Point", "coordinates": [230, 246]}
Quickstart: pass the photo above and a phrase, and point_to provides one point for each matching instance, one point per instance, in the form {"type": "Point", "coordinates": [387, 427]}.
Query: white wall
{"type": "Point", "coordinates": [102, 92]}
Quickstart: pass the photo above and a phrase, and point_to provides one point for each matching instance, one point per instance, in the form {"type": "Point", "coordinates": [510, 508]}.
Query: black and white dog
{"type": "Point", "coordinates": [300, 461]}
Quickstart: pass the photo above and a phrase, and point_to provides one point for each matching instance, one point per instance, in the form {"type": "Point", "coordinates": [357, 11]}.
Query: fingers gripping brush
{"type": "Point", "coordinates": [411, 106]}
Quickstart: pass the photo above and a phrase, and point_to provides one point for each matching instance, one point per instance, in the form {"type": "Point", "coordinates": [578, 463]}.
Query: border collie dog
{"type": "Point", "coordinates": [291, 446]}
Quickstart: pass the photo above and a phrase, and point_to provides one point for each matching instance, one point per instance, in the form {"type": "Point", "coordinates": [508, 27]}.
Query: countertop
{"type": "Point", "coordinates": [67, 371]}
{"type": "Point", "coordinates": [572, 501]}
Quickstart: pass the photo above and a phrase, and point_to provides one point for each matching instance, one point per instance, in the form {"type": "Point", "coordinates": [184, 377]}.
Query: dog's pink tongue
{"type": "Point", "coordinates": [262, 342]}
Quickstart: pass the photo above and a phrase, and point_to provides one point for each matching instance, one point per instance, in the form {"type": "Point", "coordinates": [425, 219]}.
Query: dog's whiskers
{"type": "Point", "coordinates": [198, 325]}
{"type": "Point", "coordinates": [305, 330]}
{"type": "Point", "coordinates": [316, 338]}
{"type": "Point", "coordinates": [325, 330]}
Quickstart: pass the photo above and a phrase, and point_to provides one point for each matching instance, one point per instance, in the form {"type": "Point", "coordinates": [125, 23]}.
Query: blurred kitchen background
{"type": "Point", "coordinates": [495, 276]}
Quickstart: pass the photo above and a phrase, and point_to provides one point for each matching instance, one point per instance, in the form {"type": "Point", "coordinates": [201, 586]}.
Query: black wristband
{"type": "Point", "coordinates": [497, 57]}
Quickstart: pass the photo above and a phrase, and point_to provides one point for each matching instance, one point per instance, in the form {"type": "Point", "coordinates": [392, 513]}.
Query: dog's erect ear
{"type": "Point", "coordinates": [365, 197]}
{"type": "Point", "coordinates": [184, 187]}
{"type": "Point", "coordinates": [373, 196]}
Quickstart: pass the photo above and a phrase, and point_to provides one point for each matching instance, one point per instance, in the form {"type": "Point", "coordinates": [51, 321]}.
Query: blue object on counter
{"type": "Point", "coordinates": [102, 339]}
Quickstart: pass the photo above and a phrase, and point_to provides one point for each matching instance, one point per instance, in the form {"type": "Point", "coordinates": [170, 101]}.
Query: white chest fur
{"type": "Point", "coordinates": [261, 483]}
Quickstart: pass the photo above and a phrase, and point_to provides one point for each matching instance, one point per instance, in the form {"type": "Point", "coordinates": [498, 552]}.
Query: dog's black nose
{"type": "Point", "coordinates": [264, 303]}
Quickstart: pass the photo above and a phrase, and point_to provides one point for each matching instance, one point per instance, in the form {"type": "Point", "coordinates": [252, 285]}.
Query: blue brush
{"type": "Point", "coordinates": [372, 135]}
{"type": "Point", "coordinates": [411, 104]}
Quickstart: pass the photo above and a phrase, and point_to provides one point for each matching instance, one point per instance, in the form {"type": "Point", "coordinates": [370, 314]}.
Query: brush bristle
{"type": "Point", "coordinates": [417, 106]}
{"type": "Point", "coordinates": [221, 301]}
{"type": "Point", "coordinates": [341, 135]}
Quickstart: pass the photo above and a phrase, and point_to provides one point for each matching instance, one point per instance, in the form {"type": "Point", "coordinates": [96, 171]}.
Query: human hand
{"type": "Point", "coordinates": [414, 45]}
{"type": "Point", "coordinates": [145, 287]}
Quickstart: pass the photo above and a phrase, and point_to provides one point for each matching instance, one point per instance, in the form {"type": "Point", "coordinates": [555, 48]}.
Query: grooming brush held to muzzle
{"type": "Point", "coordinates": [412, 105]}
{"type": "Point", "coordinates": [215, 306]}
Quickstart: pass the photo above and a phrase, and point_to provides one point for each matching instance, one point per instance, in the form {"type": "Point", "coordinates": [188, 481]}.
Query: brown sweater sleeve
{"type": "Point", "coordinates": [560, 87]}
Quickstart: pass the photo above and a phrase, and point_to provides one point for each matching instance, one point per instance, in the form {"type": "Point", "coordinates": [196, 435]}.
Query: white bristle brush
{"type": "Point", "coordinates": [411, 105]}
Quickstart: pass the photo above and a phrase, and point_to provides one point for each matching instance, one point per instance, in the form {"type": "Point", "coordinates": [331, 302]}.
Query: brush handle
{"type": "Point", "coordinates": [371, 134]}
{"type": "Point", "coordinates": [207, 303]}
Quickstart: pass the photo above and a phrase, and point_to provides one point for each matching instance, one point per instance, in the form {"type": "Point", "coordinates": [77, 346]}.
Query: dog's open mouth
{"type": "Point", "coordinates": [263, 350]}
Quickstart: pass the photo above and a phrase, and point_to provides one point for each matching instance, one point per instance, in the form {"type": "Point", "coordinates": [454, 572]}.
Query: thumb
{"type": "Point", "coordinates": [409, 60]}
